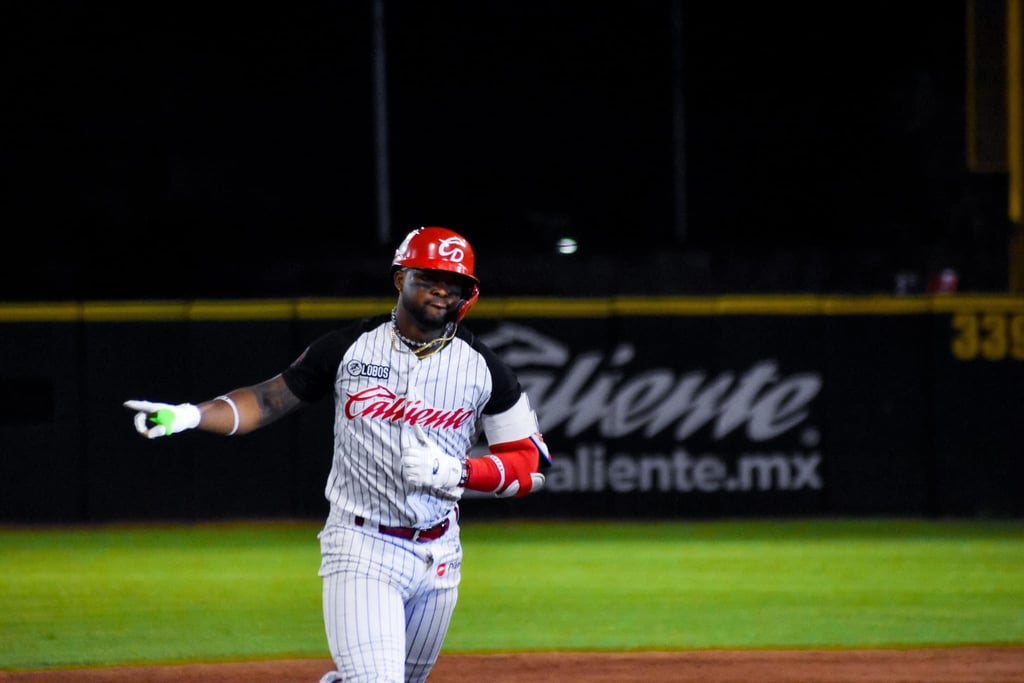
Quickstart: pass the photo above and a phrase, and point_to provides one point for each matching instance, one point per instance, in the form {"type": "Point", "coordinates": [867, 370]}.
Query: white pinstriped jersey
{"type": "Point", "coordinates": [381, 389]}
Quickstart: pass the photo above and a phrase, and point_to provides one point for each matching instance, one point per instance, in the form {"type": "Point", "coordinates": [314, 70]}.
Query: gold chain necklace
{"type": "Point", "coordinates": [420, 349]}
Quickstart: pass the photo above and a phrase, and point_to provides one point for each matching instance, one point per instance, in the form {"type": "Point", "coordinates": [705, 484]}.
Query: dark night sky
{"type": "Point", "coordinates": [158, 148]}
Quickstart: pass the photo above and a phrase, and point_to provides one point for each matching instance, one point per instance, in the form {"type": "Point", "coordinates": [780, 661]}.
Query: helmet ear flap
{"type": "Point", "coordinates": [467, 303]}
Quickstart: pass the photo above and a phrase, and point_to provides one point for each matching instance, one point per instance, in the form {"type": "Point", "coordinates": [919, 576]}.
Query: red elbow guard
{"type": "Point", "coordinates": [510, 469]}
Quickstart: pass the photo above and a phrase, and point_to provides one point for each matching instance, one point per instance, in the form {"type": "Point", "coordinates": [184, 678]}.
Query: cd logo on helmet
{"type": "Point", "coordinates": [451, 248]}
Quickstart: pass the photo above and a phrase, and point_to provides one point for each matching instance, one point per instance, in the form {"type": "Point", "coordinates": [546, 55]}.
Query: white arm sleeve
{"type": "Point", "coordinates": [518, 422]}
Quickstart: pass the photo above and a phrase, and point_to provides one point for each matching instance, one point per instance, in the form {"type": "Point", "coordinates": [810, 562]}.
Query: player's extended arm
{"type": "Point", "coordinates": [237, 412]}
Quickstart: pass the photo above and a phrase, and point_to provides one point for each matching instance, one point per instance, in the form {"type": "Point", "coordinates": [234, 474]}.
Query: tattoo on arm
{"type": "Point", "coordinates": [275, 399]}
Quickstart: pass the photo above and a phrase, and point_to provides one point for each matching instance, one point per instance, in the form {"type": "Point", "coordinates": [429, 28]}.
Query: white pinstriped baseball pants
{"type": "Point", "coordinates": [387, 602]}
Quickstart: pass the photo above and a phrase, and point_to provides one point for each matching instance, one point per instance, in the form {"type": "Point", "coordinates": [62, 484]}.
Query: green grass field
{"type": "Point", "coordinates": [106, 595]}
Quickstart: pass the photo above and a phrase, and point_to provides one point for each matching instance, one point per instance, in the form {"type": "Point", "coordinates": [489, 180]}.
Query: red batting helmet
{"type": "Point", "coordinates": [434, 248]}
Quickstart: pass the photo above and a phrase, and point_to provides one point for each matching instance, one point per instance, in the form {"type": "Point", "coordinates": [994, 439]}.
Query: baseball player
{"type": "Point", "coordinates": [413, 391]}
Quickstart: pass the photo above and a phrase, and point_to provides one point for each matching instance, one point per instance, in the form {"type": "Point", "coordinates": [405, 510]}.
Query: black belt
{"type": "Point", "coordinates": [410, 533]}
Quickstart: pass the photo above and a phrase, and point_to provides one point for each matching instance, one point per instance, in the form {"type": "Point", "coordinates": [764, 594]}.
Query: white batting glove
{"type": "Point", "coordinates": [163, 419]}
{"type": "Point", "coordinates": [425, 465]}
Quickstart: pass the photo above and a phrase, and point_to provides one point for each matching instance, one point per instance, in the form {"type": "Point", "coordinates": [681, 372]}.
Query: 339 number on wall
{"type": "Point", "coordinates": [992, 336]}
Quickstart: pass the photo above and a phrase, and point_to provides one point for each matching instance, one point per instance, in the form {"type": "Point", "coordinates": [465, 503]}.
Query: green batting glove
{"type": "Point", "coordinates": [163, 419]}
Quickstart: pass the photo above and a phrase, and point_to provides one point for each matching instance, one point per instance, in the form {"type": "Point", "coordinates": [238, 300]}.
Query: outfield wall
{"type": "Point", "coordinates": [652, 407]}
